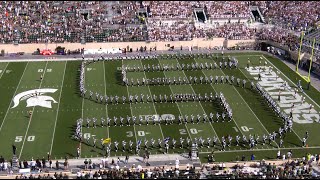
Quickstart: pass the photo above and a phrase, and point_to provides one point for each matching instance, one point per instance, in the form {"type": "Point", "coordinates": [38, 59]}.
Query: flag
{"type": "Point", "coordinates": [106, 141]}
{"type": "Point", "coordinates": [139, 142]}
{"type": "Point", "coordinates": [166, 139]}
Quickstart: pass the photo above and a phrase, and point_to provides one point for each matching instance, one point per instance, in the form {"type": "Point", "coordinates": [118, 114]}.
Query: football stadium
{"type": "Point", "coordinates": [159, 89]}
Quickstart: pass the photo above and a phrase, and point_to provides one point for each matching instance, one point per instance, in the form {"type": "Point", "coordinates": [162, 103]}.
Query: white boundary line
{"type": "Point", "coordinates": [134, 126]}
{"type": "Point", "coordinates": [272, 149]}
{"type": "Point", "coordinates": [5, 68]}
{"type": "Point", "coordinates": [13, 96]}
{"type": "Point", "coordinates": [105, 91]}
{"type": "Point", "coordinates": [80, 59]}
{"type": "Point", "coordinates": [199, 103]}
{"type": "Point", "coordinates": [40, 60]}
{"type": "Point", "coordinates": [30, 119]}
{"type": "Point", "coordinates": [152, 101]}
{"type": "Point", "coordinates": [55, 123]}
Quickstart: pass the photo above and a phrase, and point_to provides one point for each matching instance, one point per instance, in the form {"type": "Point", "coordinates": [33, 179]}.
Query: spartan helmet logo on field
{"type": "Point", "coordinates": [35, 97]}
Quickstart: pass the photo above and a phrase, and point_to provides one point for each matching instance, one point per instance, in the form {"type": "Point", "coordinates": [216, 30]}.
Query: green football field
{"type": "Point", "coordinates": [50, 128]}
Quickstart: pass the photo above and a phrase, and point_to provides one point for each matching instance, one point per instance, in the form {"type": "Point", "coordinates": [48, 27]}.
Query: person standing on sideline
{"type": "Point", "coordinates": [127, 159]}
{"type": "Point", "coordinates": [78, 152]}
{"type": "Point", "coordinates": [252, 157]}
{"type": "Point", "coordinates": [14, 149]}
{"type": "Point", "coordinates": [278, 155]}
{"type": "Point", "coordinates": [30, 113]}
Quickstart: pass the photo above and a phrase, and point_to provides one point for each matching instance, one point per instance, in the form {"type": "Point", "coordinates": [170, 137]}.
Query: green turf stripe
{"type": "Point", "coordinates": [173, 131]}
{"type": "Point", "coordinates": [143, 109]}
{"type": "Point", "coordinates": [63, 145]}
{"type": "Point", "coordinates": [9, 82]}
{"type": "Point", "coordinates": [300, 129]}
{"type": "Point", "coordinates": [261, 109]}
{"type": "Point", "coordinates": [259, 155]}
{"type": "Point", "coordinates": [312, 92]}
{"type": "Point", "coordinates": [227, 128]}
{"type": "Point", "coordinates": [194, 130]}
{"type": "Point", "coordinates": [3, 67]}
{"type": "Point", "coordinates": [43, 119]}
{"type": "Point", "coordinates": [17, 118]}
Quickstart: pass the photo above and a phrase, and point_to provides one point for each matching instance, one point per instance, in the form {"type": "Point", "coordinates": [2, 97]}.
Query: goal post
{"type": "Point", "coordinates": [306, 78]}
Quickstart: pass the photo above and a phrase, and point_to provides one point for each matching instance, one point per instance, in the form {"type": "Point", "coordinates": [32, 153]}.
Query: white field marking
{"type": "Point", "coordinates": [4, 70]}
{"type": "Point", "coordinates": [250, 109]}
{"type": "Point", "coordinates": [80, 59]}
{"type": "Point", "coordinates": [152, 101]}
{"type": "Point", "coordinates": [41, 60]}
{"type": "Point", "coordinates": [176, 103]}
{"type": "Point", "coordinates": [292, 129]}
{"type": "Point", "coordinates": [134, 126]}
{"type": "Point", "coordinates": [13, 96]}
{"type": "Point", "coordinates": [216, 92]}
{"type": "Point", "coordinates": [291, 81]}
{"type": "Point", "coordinates": [199, 102]}
{"type": "Point", "coordinates": [272, 149]}
{"type": "Point", "coordinates": [55, 123]}
{"type": "Point", "coordinates": [82, 118]}
{"type": "Point", "coordinates": [30, 119]}
{"type": "Point", "coordinates": [105, 92]}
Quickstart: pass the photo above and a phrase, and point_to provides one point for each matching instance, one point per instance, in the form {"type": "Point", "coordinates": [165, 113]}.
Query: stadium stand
{"type": "Point", "coordinates": [90, 21]}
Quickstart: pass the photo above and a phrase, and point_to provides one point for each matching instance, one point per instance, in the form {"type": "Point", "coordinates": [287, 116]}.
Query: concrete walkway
{"type": "Point", "coordinates": [154, 160]}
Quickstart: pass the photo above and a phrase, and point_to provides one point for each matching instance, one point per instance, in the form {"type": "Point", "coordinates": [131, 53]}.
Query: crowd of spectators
{"type": "Point", "coordinates": [170, 9]}
{"type": "Point", "coordinates": [226, 9]}
{"type": "Point", "coordinates": [57, 22]}
{"type": "Point", "coordinates": [286, 168]}
{"type": "Point", "coordinates": [165, 31]}
{"type": "Point", "coordinates": [126, 12]}
{"type": "Point", "coordinates": [289, 169]}
{"type": "Point", "coordinates": [233, 31]}
{"type": "Point", "coordinates": [279, 35]}
{"type": "Point", "coordinates": [80, 21]}
{"type": "Point", "coordinates": [294, 15]}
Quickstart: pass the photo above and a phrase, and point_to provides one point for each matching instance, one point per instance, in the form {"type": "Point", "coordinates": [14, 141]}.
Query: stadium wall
{"type": "Point", "coordinates": [199, 42]}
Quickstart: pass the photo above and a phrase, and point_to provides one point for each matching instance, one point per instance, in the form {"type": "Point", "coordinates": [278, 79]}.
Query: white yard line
{"type": "Point", "coordinates": [250, 109]}
{"type": "Point", "coordinates": [4, 70]}
{"type": "Point", "coordinates": [291, 81]}
{"type": "Point", "coordinates": [134, 126]}
{"type": "Point", "coordinates": [55, 123]}
{"type": "Point", "coordinates": [30, 119]}
{"type": "Point", "coordinates": [13, 96]}
{"type": "Point", "coordinates": [176, 102]}
{"type": "Point", "coordinates": [105, 91]}
{"type": "Point", "coordinates": [154, 107]}
{"type": "Point", "coordinates": [200, 103]}
{"type": "Point", "coordinates": [217, 92]}
{"type": "Point", "coordinates": [82, 104]}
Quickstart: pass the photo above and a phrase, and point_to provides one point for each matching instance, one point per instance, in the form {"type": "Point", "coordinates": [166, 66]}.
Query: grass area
{"type": "Point", "coordinates": [50, 129]}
